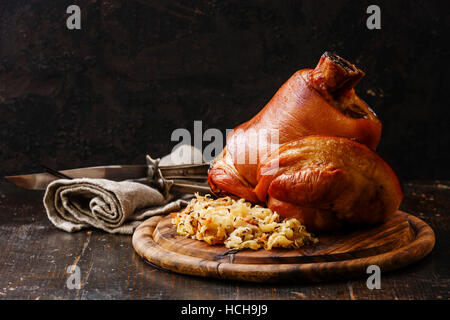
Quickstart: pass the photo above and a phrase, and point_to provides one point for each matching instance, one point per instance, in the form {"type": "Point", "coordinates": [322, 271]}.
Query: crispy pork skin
{"type": "Point", "coordinates": [318, 101]}
{"type": "Point", "coordinates": [328, 181]}
{"type": "Point", "coordinates": [313, 102]}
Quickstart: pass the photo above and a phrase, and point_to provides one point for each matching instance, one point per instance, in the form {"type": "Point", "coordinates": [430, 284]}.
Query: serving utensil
{"type": "Point", "coordinates": [185, 178]}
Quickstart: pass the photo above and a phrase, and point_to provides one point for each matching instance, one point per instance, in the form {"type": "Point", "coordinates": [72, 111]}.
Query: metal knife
{"type": "Point", "coordinates": [187, 175]}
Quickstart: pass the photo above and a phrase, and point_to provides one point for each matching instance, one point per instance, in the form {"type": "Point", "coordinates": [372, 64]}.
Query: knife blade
{"type": "Point", "coordinates": [40, 181]}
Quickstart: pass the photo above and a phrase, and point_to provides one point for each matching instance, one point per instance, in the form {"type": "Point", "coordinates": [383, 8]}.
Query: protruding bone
{"type": "Point", "coordinates": [333, 75]}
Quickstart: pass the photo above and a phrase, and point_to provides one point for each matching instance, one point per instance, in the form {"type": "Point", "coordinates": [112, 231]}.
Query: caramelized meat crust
{"type": "Point", "coordinates": [327, 181]}
{"type": "Point", "coordinates": [309, 103]}
{"type": "Point", "coordinates": [324, 185]}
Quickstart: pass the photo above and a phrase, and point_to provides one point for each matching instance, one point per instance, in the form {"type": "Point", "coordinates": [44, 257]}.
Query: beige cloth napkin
{"type": "Point", "coordinates": [115, 207]}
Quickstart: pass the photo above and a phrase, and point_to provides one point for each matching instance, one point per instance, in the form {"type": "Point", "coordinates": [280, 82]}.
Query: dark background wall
{"type": "Point", "coordinates": [137, 70]}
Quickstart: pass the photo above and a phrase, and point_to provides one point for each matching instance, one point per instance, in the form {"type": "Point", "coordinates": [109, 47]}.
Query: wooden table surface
{"type": "Point", "coordinates": [34, 257]}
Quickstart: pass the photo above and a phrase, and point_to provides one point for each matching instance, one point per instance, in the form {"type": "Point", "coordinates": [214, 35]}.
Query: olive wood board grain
{"type": "Point", "coordinates": [400, 241]}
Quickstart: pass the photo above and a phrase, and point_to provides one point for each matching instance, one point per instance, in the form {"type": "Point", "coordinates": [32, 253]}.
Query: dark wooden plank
{"type": "Point", "coordinates": [34, 256]}
{"type": "Point", "coordinates": [218, 61]}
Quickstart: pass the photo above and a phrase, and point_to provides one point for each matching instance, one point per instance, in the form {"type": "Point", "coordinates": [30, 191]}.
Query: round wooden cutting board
{"type": "Point", "coordinates": [402, 240]}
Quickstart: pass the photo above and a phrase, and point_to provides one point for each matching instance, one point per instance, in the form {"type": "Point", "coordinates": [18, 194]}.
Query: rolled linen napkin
{"type": "Point", "coordinates": [115, 207]}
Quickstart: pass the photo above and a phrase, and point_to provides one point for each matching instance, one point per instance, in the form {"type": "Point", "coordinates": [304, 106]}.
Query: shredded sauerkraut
{"type": "Point", "coordinates": [239, 225]}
